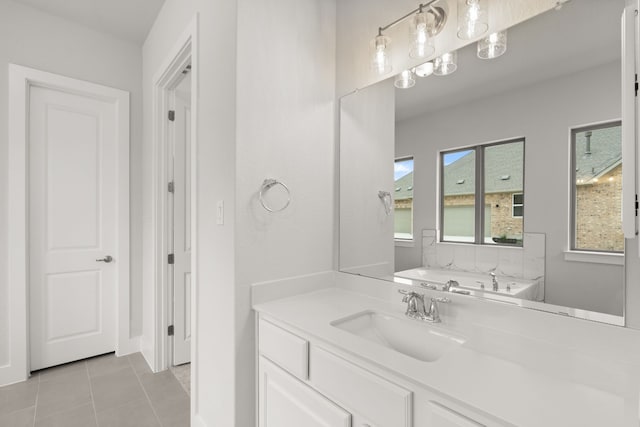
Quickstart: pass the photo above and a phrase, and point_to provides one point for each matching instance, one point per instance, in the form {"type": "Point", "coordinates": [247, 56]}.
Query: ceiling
{"type": "Point", "coordinates": [581, 35]}
{"type": "Point", "coordinates": [130, 20]}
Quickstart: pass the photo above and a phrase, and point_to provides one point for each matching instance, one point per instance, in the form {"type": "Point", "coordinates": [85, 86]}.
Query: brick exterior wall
{"type": "Point", "coordinates": [598, 222]}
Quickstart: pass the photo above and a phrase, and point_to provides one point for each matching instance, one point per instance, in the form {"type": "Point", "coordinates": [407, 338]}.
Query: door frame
{"type": "Point", "coordinates": [185, 51]}
{"type": "Point", "coordinates": [21, 79]}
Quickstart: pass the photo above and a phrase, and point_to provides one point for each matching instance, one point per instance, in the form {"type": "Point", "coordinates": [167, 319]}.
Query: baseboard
{"type": "Point", "coordinates": [10, 375]}
{"type": "Point", "coordinates": [128, 346]}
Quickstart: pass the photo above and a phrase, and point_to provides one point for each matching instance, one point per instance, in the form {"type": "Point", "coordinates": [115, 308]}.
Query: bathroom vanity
{"type": "Point", "coordinates": [340, 357]}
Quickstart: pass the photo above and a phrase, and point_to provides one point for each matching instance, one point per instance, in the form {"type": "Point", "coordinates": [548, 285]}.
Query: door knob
{"type": "Point", "coordinates": [106, 259]}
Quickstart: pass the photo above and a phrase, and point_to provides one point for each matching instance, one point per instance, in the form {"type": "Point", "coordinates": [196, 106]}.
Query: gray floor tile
{"type": "Point", "coordinates": [162, 386]}
{"type": "Point", "coordinates": [18, 396]}
{"type": "Point", "coordinates": [81, 416]}
{"type": "Point", "coordinates": [183, 375]}
{"type": "Point", "coordinates": [23, 418]}
{"type": "Point", "coordinates": [174, 412]}
{"type": "Point", "coordinates": [106, 364]}
{"type": "Point", "coordinates": [139, 364]}
{"type": "Point", "coordinates": [62, 371]}
{"type": "Point", "coordinates": [115, 389]}
{"type": "Point", "coordinates": [62, 394]}
{"type": "Point", "coordinates": [105, 391]}
{"type": "Point", "coordinates": [133, 414]}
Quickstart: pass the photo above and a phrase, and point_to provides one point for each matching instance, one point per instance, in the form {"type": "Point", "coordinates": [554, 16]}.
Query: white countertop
{"type": "Point", "coordinates": [523, 381]}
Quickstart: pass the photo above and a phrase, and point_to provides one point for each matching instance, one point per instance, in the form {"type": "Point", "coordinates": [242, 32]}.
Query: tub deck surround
{"type": "Point", "coordinates": [521, 380]}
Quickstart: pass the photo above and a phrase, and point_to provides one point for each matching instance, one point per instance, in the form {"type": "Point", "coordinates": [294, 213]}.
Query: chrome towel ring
{"type": "Point", "coordinates": [266, 185]}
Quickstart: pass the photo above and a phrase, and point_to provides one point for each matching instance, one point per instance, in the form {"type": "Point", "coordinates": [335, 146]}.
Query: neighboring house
{"type": "Point", "coordinates": [599, 190]}
{"type": "Point", "coordinates": [504, 199]}
{"type": "Point", "coordinates": [403, 206]}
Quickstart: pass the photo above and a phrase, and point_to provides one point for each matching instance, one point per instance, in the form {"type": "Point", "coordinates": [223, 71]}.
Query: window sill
{"type": "Point", "coordinates": [595, 257]}
{"type": "Point", "coordinates": [405, 243]}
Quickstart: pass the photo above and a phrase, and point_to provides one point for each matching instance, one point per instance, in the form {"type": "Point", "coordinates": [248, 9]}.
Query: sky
{"type": "Point", "coordinates": [402, 167]}
{"type": "Point", "coordinates": [452, 157]}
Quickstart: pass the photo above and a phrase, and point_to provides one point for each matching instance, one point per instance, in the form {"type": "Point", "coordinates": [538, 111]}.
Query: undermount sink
{"type": "Point", "coordinates": [421, 341]}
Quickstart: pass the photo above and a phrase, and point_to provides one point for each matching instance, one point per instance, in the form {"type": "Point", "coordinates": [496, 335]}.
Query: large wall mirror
{"type": "Point", "coordinates": [501, 180]}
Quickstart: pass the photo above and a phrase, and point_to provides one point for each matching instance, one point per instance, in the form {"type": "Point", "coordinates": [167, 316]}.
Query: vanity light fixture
{"type": "Point", "coordinates": [424, 70]}
{"type": "Point", "coordinates": [421, 42]}
{"type": "Point", "coordinates": [427, 21]}
{"type": "Point", "coordinates": [380, 62]}
{"type": "Point", "coordinates": [405, 80]}
{"type": "Point", "coordinates": [472, 18]}
{"type": "Point", "coordinates": [493, 46]}
{"type": "Point", "coordinates": [445, 64]}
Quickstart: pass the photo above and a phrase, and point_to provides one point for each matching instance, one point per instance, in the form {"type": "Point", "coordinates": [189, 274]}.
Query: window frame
{"type": "Point", "coordinates": [405, 240]}
{"type": "Point", "coordinates": [479, 200]}
{"type": "Point", "coordinates": [514, 205]}
{"type": "Point", "coordinates": [573, 223]}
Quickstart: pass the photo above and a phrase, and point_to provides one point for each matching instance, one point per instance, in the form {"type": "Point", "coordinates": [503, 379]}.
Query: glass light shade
{"type": "Point", "coordinates": [421, 43]}
{"type": "Point", "coordinates": [405, 80]}
{"type": "Point", "coordinates": [472, 18]}
{"type": "Point", "coordinates": [493, 45]}
{"type": "Point", "coordinates": [424, 70]}
{"type": "Point", "coordinates": [445, 64]}
{"type": "Point", "coordinates": [380, 62]}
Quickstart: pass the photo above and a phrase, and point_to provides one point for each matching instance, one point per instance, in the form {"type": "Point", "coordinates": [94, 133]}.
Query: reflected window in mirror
{"type": "Point", "coordinates": [403, 199]}
{"type": "Point", "coordinates": [597, 188]}
{"type": "Point", "coordinates": [482, 194]}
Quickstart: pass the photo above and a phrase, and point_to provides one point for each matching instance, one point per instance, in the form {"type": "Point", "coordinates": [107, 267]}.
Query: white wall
{"type": "Point", "coordinates": [285, 125]}
{"type": "Point", "coordinates": [367, 135]}
{"type": "Point", "coordinates": [216, 96]}
{"type": "Point", "coordinates": [543, 113]}
{"type": "Point", "coordinates": [35, 39]}
{"type": "Point", "coordinates": [277, 121]}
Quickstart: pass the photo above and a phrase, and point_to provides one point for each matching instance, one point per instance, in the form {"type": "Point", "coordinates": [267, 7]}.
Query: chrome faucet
{"type": "Point", "coordinates": [494, 281]}
{"type": "Point", "coordinates": [415, 304]}
{"type": "Point", "coordinates": [416, 308]}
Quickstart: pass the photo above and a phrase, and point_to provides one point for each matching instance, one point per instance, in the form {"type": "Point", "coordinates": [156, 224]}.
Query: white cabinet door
{"type": "Point", "coordinates": [285, 401]}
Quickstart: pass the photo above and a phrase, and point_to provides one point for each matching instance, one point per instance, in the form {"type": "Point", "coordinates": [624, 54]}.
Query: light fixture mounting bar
{"type": "Point", "coordinates": [414, 11]}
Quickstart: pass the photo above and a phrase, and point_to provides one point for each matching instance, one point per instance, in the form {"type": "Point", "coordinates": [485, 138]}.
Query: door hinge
{"type": "Point", "coordinates": [170, 259]}
{"type": "Point", "coordinates": [636, 205]}
{"type": "Point", "coordinates": [170, 330]}
{"type": "Point", "coordinates": [172, 115]}
{"type": "Point", "coordinates": [171, 187]}
{"type": "Point", "coordinates": [636, 85]}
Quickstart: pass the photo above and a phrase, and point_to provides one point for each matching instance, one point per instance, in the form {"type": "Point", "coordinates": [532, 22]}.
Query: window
{"type": "Point", "coordinates": [403, 199]}
{"type": "Point", "coordinates": [482, 194]}
{"type": "Point", "coordinates": [517, 206]}
{"type": "Point", "coordinates": [597, 188]}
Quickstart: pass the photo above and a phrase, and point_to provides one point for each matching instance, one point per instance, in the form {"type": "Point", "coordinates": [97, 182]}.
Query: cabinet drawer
{"type": "Point", "coordinates": [284, 348]}
{"type": "Point", "coordinates": [357, 390]}
{"type": "Point", "coordinates": [445, 417]}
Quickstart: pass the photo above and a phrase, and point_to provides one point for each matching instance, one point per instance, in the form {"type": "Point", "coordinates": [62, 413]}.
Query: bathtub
{"type": "Point", "coordinates": [519, 288]}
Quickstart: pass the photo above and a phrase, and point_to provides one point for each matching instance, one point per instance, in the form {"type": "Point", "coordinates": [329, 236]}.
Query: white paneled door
{"type": "Point", "coordinates": [182, 228]}
{"type": "Point", "coordinates": [73, 199]}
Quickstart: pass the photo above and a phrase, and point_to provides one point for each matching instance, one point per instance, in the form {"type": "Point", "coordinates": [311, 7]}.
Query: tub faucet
{"type": "Point", "coordinates": [494, 281]}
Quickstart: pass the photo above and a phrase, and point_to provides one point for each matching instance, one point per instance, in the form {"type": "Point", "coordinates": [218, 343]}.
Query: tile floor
{"type": "Point", "coordinates": [105, 391]}
{"type": "Point", "coordinates": [183, 375]}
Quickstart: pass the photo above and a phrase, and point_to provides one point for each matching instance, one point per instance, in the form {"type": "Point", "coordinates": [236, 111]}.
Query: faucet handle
{"type": "Point", "coordinates": [443, 300]}
{"type": "Point", "coordinates": [429, 286]}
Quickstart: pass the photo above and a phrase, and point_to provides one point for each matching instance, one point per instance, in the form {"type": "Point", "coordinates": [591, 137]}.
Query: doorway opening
{"type": "Point", "coordinates": [179, 226]}
{"type": "Point", "coordinates": [174, 285]}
